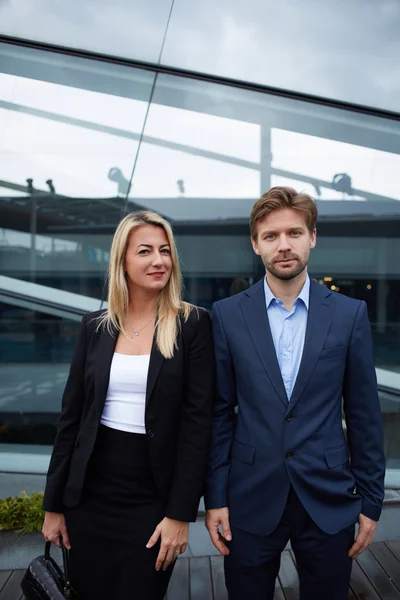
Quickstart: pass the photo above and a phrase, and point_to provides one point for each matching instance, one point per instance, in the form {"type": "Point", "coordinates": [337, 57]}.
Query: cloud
{"type": "Point", "coordinates": [127, 28]}
{"type": "Point", "coordinates": [346, 50]}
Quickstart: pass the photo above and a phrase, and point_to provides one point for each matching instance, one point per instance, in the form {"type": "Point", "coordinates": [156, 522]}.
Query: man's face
{"type": "Point", "coordinates": [284, 243]}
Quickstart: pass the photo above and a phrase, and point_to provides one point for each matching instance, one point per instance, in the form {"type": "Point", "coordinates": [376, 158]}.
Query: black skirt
{"type": "Point", "coordinates": [109, 529]}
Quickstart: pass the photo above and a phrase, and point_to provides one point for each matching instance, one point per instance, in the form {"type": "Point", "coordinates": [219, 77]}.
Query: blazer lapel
{"type": "Point", "coordinates": [318, 323]}
{"type": "Point", "coordinates": [105, 351]}
{"type": "Point", "coordinates": [255, 313]}
{"type": "Point", "coordinates": [105, 354]}
{"type": "Point", "coordinates": [156, 362]}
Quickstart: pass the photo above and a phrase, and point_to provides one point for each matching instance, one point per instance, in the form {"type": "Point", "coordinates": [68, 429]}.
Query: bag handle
{"type": "Point", "coordinates": [64, 555]}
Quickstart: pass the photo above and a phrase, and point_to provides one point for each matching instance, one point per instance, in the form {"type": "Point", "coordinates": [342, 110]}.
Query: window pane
{"type": "Point", "coordinates": [343, 50]}
{"type": "Point", "coordinates": [214, 150]}
{"type": "Point", "coordinates": [70, 131]}
{"type": "Point", "coordinates": [128, 28]}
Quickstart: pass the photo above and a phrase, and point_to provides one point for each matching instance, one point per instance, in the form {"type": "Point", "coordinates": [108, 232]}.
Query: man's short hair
{"type": "Point", "coordinates": [283, 197]}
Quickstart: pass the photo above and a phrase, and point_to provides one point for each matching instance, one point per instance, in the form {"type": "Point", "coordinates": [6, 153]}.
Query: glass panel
{"type": "Point", "coordinates": [132, 29]}
{"type": "Point", "coordinates": [30, 396]}
{"type": "Point", "coordinates": [207, 153]}
{"type": "Point", "coordinates": [343, 50]}
{"type": "Point", "coordinates": [70, 135]}
{"type": "Point", "coordinates": [216, 149]}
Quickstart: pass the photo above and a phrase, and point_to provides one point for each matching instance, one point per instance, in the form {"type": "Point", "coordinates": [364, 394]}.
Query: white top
{"type": "Point", "coordinates": [126, 396]}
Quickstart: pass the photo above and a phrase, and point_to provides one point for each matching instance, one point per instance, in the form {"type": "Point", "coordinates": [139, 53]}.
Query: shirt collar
{"type": "Point", "coordinates": [304, 294]}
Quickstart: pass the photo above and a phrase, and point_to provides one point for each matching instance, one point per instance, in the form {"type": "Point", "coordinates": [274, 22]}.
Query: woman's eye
{"type": "Point", "coordinates": [166, 251]}
{"type": "Point", "coordinates": [143, 252]}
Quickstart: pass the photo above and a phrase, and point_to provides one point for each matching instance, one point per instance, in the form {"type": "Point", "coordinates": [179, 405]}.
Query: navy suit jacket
{"type": "Point", "coordinates": [267, 443]}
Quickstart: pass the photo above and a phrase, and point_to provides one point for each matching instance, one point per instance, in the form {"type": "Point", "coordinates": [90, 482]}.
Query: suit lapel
{"type": "Point", "coordinates": [156, 362]}
{"type": "Point", "coordinates": [255, 313]}
{"type": "Point", "coordinates": [106, 349]}
{"type": "Point", "coordinates": [318, 323]}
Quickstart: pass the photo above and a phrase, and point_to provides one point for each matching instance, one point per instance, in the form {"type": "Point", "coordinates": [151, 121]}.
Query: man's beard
{"type": "Point", "coordinates": [286, 274]}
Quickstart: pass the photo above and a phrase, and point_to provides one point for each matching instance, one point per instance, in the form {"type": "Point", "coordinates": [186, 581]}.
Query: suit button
{"type": "Point", "coordinates": [150, 433]}
{"type": "Point", "coordinates": [289, 455]}
{"type": "Point", "coordinates": [289, 417]}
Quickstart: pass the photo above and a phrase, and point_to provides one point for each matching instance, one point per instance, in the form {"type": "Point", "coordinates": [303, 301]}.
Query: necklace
{"type": "Point", "coordinates": [136, 332]}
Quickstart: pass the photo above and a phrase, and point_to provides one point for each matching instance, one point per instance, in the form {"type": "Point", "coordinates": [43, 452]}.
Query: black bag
{"type": "Point", "coordinates": [44, 580]}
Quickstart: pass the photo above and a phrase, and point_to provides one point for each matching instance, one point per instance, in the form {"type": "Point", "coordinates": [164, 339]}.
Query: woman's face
{"type": "Point", "coordinates": [148, 262]}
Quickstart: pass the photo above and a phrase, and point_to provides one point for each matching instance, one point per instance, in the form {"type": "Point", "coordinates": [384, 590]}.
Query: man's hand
{"type": "Point", "coordinates": [365, 535]}
{"type": "Point", "coordinates": [219, 517]}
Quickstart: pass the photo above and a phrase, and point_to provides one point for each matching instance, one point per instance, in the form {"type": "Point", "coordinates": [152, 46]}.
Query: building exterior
{"type": "Point", "coordinates": [193, 109]}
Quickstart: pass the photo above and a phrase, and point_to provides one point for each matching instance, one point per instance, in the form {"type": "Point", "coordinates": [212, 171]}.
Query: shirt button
{"type": "Point", "coordinates": [150, 433]}
{"type": "Point", "coordinates": [289, 455]}
{"type": "Point", "coordinates": [286, 353]}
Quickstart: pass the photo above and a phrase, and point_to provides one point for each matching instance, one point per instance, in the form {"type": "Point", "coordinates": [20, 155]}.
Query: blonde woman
{"type": "Point", "coordinates": [128, 464]}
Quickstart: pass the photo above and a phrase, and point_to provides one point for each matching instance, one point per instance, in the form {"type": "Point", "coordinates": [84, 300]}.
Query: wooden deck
{"type": "Point", "coordinates": [376, 576]}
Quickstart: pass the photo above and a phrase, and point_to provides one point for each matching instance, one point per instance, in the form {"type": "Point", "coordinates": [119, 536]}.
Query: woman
{"type": "Point", "coordinates": [128, 464]}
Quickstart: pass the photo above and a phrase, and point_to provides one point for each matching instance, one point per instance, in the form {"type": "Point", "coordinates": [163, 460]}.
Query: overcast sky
{"type": "Point", "coordinates": [346, 49]}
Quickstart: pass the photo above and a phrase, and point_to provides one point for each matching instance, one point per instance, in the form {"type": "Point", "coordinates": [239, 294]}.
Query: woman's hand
{"type": "Point", "coordinates": [174, 539]}
{"type": "Point", "coordinates": [54, 526]}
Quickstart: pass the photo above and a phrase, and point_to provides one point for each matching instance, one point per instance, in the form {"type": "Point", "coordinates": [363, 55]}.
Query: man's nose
{"type": "Point", "coordinates": [283, 245]}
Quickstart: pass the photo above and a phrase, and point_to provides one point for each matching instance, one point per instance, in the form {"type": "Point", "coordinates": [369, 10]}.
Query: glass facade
{"type": "Point", "coordinates": [84, 141]}
{"type": "Point", "coordinates": [343, 50]}
{"type": "Point", "coordinates": [129, 28]}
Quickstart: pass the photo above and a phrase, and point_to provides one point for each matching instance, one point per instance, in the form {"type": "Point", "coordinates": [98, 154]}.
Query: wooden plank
{"type": "Point", "coordinates": [361, 585]}
{"type": "Point", "coordinates": [200, 578]}
{"type": "Point", "coordinates": [12, 589]}
{"type": "Point", "coordinates": [288, 577]}
{"type": "Point", "coordinates": [4, 577]}
{"type": "Point", "coordinates": [394, 547]}
{"type": "Point", "coordinates": [218, 578]}
{"type": "Point", "coordinates": [377, 576]}
{"type": "Point", "coordinates": [387, 561]}
{"type": "Point", "coordinates": [178, 588]}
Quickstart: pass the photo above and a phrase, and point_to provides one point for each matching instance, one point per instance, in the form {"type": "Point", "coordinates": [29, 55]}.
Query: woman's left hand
{"type": "Point", "coordinates": [174, 539]}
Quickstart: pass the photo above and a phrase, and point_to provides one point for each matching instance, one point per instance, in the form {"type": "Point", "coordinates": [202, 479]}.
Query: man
{"type": "Point", "coordinates": [290, 355]}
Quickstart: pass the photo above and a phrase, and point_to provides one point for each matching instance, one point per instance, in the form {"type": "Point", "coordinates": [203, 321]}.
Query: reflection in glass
{"type": "Point", "coordinates": [216, 149]}
{"type": "Point", "coordinates": [343, 50]}
{"type": "Point", "coordinates": [128, 28]}
{"type": "Point", "coordinates": [74, 131]}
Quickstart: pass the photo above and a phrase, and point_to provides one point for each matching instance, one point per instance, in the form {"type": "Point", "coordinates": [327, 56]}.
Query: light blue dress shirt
{"type": "Point", "coordinates": [288, 332]}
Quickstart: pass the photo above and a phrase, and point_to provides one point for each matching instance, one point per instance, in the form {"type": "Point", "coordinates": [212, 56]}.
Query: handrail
{"type": "Point", "coordinates": [50, 300]}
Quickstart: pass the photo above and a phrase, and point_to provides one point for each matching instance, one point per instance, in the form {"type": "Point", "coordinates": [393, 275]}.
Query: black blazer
{"type": "Point", "coordinates": [179, 399]}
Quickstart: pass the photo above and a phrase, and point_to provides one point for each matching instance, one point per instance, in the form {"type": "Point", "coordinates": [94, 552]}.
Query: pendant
{"type": "Point", "coordinates": [135, 332]}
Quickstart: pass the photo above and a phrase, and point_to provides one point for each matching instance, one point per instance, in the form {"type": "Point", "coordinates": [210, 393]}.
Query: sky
{"type": "Point", "coordinates": [347, 49]}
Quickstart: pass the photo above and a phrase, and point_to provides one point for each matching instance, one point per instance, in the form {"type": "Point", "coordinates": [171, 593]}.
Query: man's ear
{"type": "Point", "coordinates": [255, 246]}
{"type": "Point", "coordinates": [314, 239]}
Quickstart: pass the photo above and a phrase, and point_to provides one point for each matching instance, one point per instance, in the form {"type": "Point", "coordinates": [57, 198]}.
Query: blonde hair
{"type": "Point", "coordinates": [169, 305]}
{"type": "Point", "coordinates": [283, 197]}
